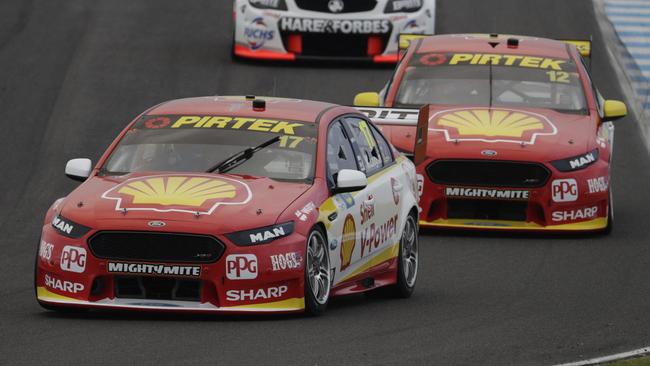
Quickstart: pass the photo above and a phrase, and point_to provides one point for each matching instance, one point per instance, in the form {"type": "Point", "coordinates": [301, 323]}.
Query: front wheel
{"type": "Point", "coordinates": [407, 265]}
{"type": "Point", "coordinates": [317, 273]}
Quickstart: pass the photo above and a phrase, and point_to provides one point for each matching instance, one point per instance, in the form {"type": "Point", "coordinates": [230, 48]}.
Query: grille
{"type": "Point", "coordinates": [488, 173]}
{"type": "Point", "coordinates": [349, 6]}
{"type": "Point", "coordinates": [336, 45]}
{"type": "Point", "coordinates": [155, 247]}
{"type": "Point", "coordinates": [486, 210]}
{"type": "Point", "coordinates": [157, 288]}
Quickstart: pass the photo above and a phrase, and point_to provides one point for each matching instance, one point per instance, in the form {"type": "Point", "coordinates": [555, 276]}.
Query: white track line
{"type": "Point", "coordinates": [610, 358]}
{"type": "Point", "coordinates": [635, 39]}
{"type": "Point", "coordinates": [635, 11]}
{"type": "Point", "coordinates": [627, 2]}
{"type": "Point", "coordinates": [639, 50]}
{"type": "Point", "coordinates": [629, 18]}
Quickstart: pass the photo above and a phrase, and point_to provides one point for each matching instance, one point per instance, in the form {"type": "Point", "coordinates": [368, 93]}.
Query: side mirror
{"type": "Point", "coordinates": [368, 99]}
{"type": "Point", "coordinates": [349, 180]}
{"type": "Point", "coordinates": [614, 109]}
{"type": "Point", "coordinates": [78, 169]}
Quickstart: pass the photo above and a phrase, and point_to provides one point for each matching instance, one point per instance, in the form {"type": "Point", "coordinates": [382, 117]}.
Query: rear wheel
{"type": "Point", "coordinates": [407, 265]}
{"type": "Point", "coordinates": [317, 273]}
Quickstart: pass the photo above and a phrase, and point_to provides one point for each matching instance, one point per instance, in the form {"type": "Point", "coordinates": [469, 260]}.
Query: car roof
{"type": "Point", "coordinates": [241, 106]}
{"type": "Point", "coordinates": [485, 43]}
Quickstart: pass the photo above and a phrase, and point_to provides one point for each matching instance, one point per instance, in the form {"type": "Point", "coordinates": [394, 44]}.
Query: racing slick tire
{"type": "Point", "coordinates": [318, 279]}
{"type": "Point", "coordinates": [407, 261]}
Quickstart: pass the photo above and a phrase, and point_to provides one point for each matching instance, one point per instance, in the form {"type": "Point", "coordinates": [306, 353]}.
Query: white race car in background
{"type": "Point", "coordinates": [290, 30]}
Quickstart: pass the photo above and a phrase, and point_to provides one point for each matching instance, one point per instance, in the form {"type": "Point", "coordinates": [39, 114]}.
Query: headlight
{"type": "Point", "coordinates": [403, 6]}
{"type": "Point", "coordinates": [261, 235]}
{"type": "Point", "coordinates": [269, 4]}
{"type": "Point", "coordinates": [576, 162]}
{"type": "Point", "coordinates": [68, 228]}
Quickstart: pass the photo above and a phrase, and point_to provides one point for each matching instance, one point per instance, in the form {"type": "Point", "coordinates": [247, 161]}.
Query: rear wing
{"type": "Point", "coordinates": [418, 119]}
{"type": "Point", "coordinates": [405, 39]}
{"type": "Point", "coordinates": [583, 46]}
{"type": "Point", "coordinates": [391, 116]}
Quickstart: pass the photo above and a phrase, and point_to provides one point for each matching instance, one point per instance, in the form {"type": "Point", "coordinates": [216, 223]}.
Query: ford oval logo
{"type": "Point", "coordinates": [489, 153]}
{"type": "Point", "coordinates": [156, 223]}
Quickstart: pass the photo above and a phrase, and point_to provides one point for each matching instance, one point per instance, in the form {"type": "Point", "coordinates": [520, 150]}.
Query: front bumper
{"type": "Point", "coordinates": [306, 35]}
{"type": "Point", "coordinates": [585, 209]}
{"type": "Point", "coordinates": [261, 278]}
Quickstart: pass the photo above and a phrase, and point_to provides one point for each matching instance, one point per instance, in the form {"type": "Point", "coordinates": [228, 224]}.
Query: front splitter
{"type": "Point", "coordinates": [283, 306]}
{"type": "Point", "coordinates": [505, 225]}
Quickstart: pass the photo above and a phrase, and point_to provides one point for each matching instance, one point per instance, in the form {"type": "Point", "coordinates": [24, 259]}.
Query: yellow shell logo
{"type": "Point", "coordinates": [195, 194]}
{"type": "Point", "coordinates": [179, 191]}
{"type": "Point", "coordinates": [348, 241]}
{"type": "Point", "coordinates": [492, 125]}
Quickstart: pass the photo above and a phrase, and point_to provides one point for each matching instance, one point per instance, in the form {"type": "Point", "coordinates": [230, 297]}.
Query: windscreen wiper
{"type": "Point", "coordinates": [105, 172]}
{"type": "Point", "coordinates": [240, 157]}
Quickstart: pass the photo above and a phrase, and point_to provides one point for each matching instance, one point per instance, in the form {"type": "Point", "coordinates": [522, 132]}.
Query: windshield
{"type": "Point", "coordinates": [197, 143]}
{"type": "Point", "coordinates": [492, 80]}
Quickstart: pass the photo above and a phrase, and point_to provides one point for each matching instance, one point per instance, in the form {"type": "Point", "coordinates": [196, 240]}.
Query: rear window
{"type": "Point", "coordinates": [196, 143]}
{"type": "Point", "coordinates": [492, 80]}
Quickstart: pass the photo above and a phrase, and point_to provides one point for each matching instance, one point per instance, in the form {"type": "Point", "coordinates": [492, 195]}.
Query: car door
{"type": "Point", "coordinates": [343, 222]}
{"type": "Point", "coordinates": [379, 227]}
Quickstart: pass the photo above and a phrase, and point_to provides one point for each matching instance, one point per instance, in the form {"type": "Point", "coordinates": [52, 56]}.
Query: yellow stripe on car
{"type": "Point", "coordinates": [383, 256]}
{"type": "Point", "coordinates": [283, 305]}
{"type": "Point", "coordinates": [44, 294]}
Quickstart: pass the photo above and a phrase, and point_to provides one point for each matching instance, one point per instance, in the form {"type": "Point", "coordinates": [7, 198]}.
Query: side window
{"type": "Point", "coordinates": [368, 149]}
{"type": "Point", "coordinates": [384, 148]}
{"type": "Point", "coordinates": [600, 101]}
{"type": "Point", "coordinates": [598, 98]}
{"type": "Point", "coordinates": [339, 152]}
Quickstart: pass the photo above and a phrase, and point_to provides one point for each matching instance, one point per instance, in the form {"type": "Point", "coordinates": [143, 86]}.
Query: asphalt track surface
{"type": "Point", "coordinates": [74, 72]}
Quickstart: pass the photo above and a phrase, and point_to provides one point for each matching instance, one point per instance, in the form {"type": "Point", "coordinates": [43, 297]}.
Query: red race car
{"type": "Point", "coordinates": [233, 204]}
{"type": "Point", "coordinates": [513, 135]}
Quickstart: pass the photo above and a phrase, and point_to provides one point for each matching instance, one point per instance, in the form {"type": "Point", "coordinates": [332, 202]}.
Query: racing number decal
{"type": "Point", "coordinates": [558, 76]}
{"type": "Point", "coordinates": [365, 130]}
{"type": "Point", "coordinates": [290, 142]}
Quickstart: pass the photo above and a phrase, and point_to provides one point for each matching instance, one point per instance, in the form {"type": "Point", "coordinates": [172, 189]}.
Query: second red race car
{"type": "Point", "coordinates": [513, 136]}
{"type": "Point", "coordinates": [233, 204]}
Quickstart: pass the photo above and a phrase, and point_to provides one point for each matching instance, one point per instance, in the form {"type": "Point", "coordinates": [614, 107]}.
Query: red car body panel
{"type": "Point", "coordinates": [70, 273]}
{"type": "Point", "coordinates": [557, 136]}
